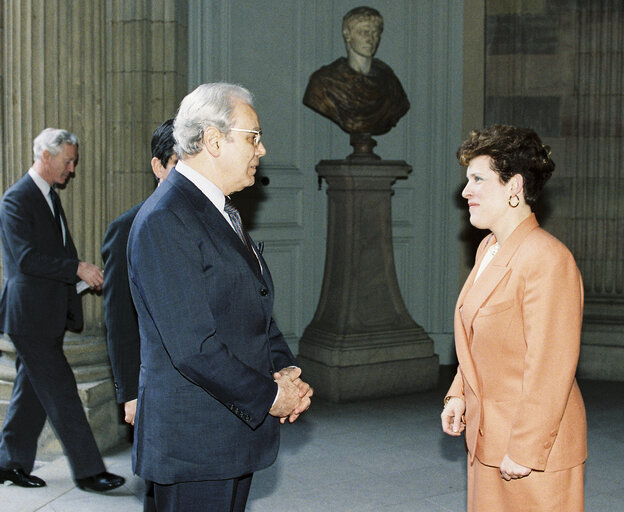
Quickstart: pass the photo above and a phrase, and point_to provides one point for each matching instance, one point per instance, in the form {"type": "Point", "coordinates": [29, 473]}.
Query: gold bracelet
{"type": "Point", "coordinates": [448, 398]}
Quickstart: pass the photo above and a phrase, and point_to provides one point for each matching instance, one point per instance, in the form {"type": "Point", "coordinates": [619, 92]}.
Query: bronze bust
{"type": "Point", "coordinates": [359, 93]}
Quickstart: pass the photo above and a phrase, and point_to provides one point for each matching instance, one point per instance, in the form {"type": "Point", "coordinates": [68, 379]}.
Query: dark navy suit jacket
{"type": "Point", "coordinates": [209, 344]}
{"type": "Point", "coordinates": [122, 328]}
{"type": "Point", "coordinates": [39, 274]}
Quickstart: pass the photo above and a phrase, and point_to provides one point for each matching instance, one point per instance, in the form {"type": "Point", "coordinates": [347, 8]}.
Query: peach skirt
{"type": "Point", "coordinates": [559, 491]}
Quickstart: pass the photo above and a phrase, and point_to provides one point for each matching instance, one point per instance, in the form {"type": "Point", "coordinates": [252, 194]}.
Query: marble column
{"type": "Point", "coordinates": [567, 84]}
{"type": "Point", "coordinates": [362, 342]}
{"type": "Point", "coordinates": [109, 71]}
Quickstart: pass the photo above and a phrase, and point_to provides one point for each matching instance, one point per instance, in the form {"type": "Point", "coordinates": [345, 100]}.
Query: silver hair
{"type": "Point", "coordinates": [208, 105]}
{"type": "Point", "coordinates": [52, 140]}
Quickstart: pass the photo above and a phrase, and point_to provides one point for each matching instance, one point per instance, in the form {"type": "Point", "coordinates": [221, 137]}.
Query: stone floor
{"type": "Point", "coordinates": [377, 455]}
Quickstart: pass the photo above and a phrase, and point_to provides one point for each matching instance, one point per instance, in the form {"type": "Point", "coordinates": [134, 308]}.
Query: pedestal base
{"type": "Point", "coordinates": [341, 384]}
{"type": "Point", "coordinates": [602, 347]}
{"type": "Point", "coordinates": [348, 367]}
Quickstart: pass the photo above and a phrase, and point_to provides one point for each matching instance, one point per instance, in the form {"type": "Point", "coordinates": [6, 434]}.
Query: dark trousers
{"type": "Point", "coordinates": [208, 495]}
{"type": "Point", "coordinates": [149, 505]}
{"type": "Point", "coordinates": [45, 386]}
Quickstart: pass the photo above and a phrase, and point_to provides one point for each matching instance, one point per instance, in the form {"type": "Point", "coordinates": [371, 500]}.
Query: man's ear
{"type": "Point", "coordinates": [158, 169]}
{"type": "Point", "coordinates": [212, 139]}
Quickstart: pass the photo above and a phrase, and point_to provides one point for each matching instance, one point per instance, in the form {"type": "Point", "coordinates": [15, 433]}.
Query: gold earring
{"type": "Point", "coordinates": [517, 201]}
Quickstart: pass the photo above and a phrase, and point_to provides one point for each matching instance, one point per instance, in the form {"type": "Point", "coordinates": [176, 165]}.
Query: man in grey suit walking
{"type": "Point", "coordinates": [217, 376]}
{"type": "Point", "coordinates": [39, 302]}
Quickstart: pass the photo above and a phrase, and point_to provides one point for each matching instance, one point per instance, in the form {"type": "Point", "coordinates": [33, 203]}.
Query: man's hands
{"type": "Point", "coordinates": [294, 395]}
{"type": "Point", "coordinates": [452, 417]}
{"type": "Point", "coordinates": [130, 411]}
{"type": "Point", "coordinates": [91, 275]}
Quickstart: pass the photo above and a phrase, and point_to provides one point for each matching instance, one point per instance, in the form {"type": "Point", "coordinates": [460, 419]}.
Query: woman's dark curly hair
{"type": "Point", "coordinates": [513, 151]}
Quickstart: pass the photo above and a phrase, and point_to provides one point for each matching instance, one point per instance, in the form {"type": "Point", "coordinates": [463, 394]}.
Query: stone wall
{"type": "Point", "coordinates": [557, 66]}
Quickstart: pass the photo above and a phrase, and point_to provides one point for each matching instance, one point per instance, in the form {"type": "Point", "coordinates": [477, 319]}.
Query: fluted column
{"type": "Point", "coordinates": [565, 80]}
{"type": "Point", "coordinates": [109, 71]}
{"type": "Point", "coordinates": [596, 157]}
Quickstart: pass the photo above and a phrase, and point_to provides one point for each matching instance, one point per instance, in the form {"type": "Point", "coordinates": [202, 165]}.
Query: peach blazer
{"type": "Point", "coordinates": [517, 337]}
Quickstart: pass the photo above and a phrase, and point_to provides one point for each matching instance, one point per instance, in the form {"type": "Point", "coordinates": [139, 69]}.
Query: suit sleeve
{"type": "Point", "coordinates": [19, 226]}
{"type": "Point", "coordinates": [122, 329]}
{"type": "Point", "coordinates": [167, 269]}
{"type": "Point", "coordinates": [457, 387]}
{"type": "Point", "coordinates": [552, 315]}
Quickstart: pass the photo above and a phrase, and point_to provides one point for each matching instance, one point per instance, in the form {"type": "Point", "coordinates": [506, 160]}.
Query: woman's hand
{"type": "Point", "coordinates": [511, 470]}
{"type": "Point", "coordinates": [452, 416]}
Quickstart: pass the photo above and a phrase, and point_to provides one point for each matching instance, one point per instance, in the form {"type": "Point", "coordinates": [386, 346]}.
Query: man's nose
{"type": "Point", "coordinates": [260, 149]}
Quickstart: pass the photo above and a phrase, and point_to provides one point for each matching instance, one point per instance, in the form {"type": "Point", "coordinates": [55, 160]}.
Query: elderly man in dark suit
{"type": "Point", "coordinates": [122, 328]}
{"type": "Point", "coordinates": [39, 302]}
{"type": "Point", "coordinates": [217, 376]}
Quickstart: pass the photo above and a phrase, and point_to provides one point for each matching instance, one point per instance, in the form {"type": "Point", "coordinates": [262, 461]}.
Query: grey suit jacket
{"type": "Point", "coordinates": [209, 344]}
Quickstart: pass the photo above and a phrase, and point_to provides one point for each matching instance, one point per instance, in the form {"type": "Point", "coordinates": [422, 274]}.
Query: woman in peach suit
{"type": "Point", "coordinates": [517, 336]}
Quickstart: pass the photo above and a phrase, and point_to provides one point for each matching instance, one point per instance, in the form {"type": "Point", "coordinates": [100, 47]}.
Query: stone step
{"type": "Point", "coordinates": [104, 416]}
{"type": "Point", "coordinates": [79, 350]}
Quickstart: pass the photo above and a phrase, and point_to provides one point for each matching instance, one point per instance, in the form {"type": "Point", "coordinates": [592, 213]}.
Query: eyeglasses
{"type": "Point", "coordinates": [257, 136]}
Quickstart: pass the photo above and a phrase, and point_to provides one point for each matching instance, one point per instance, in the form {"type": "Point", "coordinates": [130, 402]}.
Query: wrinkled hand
{"type": "Point", "coordinates": [452, 422]}
{"type": "Point", "coordinates": [511, 470]}
{"type": "Point", "coordinates": [91, 275]}
{"type": "Point", "coordinates": [287, 398]}
{"type": "Point", "coordinates": [304, 393]}
{"type": "Point", "coordinates": [130, 408]}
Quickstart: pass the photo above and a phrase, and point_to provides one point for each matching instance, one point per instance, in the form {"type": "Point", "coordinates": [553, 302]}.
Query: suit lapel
{"type": "Point", "coordinates": [475, 294]}
{"type": "Point", "coordinates": [40, 201]}
{"type": "Point", "coordinates": [463, 334]}
{"type": "Point", "coordinates": [46, 213]}
{"type": "Point", "coordinates": [212, 219]}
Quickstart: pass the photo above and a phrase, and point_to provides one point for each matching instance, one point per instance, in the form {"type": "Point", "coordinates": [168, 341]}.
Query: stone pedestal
{"type": "Point", "coordinates": [88, 358]}
{"type": "Point", "coordinates": [362, 342]}
{"type": "Point", "coordinates": [602, 348]}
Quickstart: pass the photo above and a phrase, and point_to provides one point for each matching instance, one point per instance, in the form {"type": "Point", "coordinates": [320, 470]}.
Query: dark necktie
{"type": "Point", "coordinates": [56, 206]}
{"type": "Point", "coordinates": [237, 223]}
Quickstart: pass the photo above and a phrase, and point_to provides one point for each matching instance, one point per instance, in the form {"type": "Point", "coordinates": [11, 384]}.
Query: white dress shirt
{"type": "Point", "coordinates": [45, 187]}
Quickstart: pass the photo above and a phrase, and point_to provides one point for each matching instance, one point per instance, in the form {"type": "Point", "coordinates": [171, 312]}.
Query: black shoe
{"type": "Point", "coordinates": [18, 477]}
{"type": "Point", "coordinates": [101, 482]}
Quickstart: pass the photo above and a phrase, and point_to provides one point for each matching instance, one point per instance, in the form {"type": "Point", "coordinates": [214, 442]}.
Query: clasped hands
{"type": "Point", "coordinates": [294, 395]}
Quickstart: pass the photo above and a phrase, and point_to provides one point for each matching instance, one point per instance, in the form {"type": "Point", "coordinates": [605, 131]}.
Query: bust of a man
{"type": "Point", "coordinates": [359, 93]}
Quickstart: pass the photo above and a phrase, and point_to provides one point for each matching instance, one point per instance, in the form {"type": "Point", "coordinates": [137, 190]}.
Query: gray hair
{"type": "Point", "coordinates": [208, 105]}
{"type": "Point", "coordinates": [51, 140]}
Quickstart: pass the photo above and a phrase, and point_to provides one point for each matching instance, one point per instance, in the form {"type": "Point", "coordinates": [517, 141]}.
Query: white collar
{"type": "Point", "coordinates": [207, 187]}
{"type": "Point", "coordinates": [42, 184]}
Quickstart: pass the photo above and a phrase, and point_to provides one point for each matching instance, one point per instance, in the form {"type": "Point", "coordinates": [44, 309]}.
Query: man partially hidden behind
{"type": "Point", "coordinates": [39, 302]}
{"type": "Point", "coordinates": [359, 93]}
{"type": "Point", "coordinates": [122, 328]}
{"type": "Point", "coordinates": [217, 376]}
